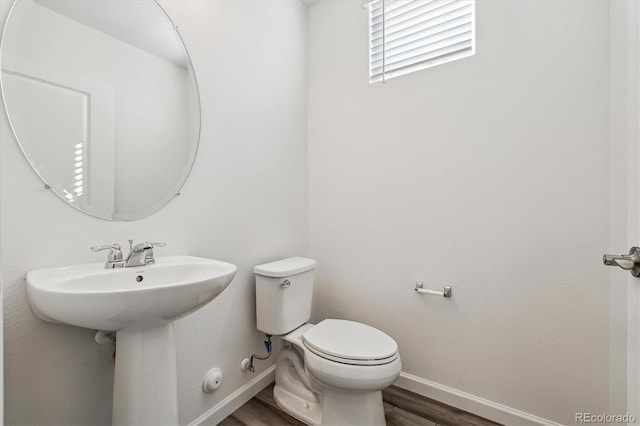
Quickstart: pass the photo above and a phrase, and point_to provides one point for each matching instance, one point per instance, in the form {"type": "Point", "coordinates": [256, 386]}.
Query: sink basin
{"type": "Point", "coordinates": [112, 299]}
{"type": "Point", "coordinates": [140, 304]}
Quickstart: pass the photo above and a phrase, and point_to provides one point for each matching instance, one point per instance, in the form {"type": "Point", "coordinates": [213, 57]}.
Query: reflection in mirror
{"type": "Point", "coordinates": [103, 101]}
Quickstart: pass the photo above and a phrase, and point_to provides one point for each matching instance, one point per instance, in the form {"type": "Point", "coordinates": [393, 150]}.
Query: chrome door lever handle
{"type": "Point", "coordinates": [629, 262]}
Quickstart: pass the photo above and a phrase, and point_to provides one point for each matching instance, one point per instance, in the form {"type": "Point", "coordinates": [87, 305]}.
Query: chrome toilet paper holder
{"type": "Point", "coordinates": [446, 292]}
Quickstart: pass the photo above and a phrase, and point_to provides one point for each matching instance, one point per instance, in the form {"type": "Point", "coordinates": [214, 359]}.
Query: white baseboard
{"type": "Point", "coordinates": [224, 408]}
{"type": "Point", "coordinates": [468, 402]}
{"type": "Point", "coordinates": [445, 394]}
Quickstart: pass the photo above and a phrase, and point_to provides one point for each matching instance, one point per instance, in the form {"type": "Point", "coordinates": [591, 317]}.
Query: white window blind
{"type": "Point", "coordinates": [410, 35]}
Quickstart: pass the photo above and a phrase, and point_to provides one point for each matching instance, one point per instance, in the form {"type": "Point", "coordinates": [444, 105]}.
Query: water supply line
{"type": "Point", "coordinates": [267, 345]}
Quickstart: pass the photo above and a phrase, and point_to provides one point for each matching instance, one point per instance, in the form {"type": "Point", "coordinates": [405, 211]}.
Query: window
{"type": "Point", "coordinates": [410, 35]}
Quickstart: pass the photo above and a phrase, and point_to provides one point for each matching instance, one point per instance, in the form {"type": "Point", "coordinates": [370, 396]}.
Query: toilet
{"type": "Point", "coordinates": [330, 373]}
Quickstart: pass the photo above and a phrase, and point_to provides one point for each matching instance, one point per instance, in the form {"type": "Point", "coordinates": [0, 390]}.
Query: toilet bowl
{"type": "Point", "coordinates": [331, 373]}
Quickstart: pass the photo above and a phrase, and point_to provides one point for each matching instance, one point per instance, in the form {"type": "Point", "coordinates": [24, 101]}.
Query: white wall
{"type": "Point", "coordinates": [245, 202]}
{"type": "Point", "coordinates": [489, 174]}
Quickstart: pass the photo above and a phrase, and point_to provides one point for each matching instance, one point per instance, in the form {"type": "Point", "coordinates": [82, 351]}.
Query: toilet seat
{"type": "Point", "coordinates": [349, 342]}
{"type": "Point", "coordinates": [351, 377]}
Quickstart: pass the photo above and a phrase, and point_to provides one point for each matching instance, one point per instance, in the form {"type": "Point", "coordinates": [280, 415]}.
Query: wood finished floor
{"type": "Point", "coordinates": [401, 408]}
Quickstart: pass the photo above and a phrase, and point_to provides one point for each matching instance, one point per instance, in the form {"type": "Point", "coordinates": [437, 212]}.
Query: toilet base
{"type": "Point", "coordinates": [338, 408]}
{"type": "Point", "coordinates": [342, 407]}
{"type": "Point", "coordinates": [305, 411]}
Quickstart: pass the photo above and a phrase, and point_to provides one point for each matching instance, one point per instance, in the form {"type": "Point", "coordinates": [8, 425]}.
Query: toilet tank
{"type": "Point", "coordinates": [284, 290]}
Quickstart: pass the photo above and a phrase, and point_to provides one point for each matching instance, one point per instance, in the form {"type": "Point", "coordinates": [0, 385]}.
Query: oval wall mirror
{"type": "Point", "coordinates": [103, 100]}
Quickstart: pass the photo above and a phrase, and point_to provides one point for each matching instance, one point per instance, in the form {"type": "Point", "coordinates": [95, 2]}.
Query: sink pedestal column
{"type": "Point", "coordinates": [145, 389]}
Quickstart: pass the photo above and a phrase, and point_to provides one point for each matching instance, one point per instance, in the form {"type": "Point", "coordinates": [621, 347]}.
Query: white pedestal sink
{"type": "Point", "coordinates": [140, 304]}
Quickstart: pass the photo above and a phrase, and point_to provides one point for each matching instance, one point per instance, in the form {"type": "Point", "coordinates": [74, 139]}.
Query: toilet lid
{"type": "Point", "coordinates": [350, 341]}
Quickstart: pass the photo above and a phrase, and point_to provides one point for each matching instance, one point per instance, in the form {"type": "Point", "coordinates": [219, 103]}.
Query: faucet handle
{"type": "Point", "coordinates": [113, 246]}
{"type": "Point", "coordinates": [115, 254]}
{"type": "Point", "coordinates": [146, 246]}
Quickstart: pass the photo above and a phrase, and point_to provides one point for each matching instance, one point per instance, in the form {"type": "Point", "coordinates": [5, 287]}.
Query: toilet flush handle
{"type": "Point", "coordinates": [285, 284]}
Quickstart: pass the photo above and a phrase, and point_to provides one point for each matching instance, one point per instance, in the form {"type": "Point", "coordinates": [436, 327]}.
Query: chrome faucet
{"type": "Point", "coordinates": [114, 258]}
{"type": "Point", "coordinates": [141, 254]}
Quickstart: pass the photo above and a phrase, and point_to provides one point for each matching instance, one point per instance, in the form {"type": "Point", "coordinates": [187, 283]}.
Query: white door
{"type": "Point", "coordinates": [624, 206]}
{"type": "Point", "coordinates": [633, 284]}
